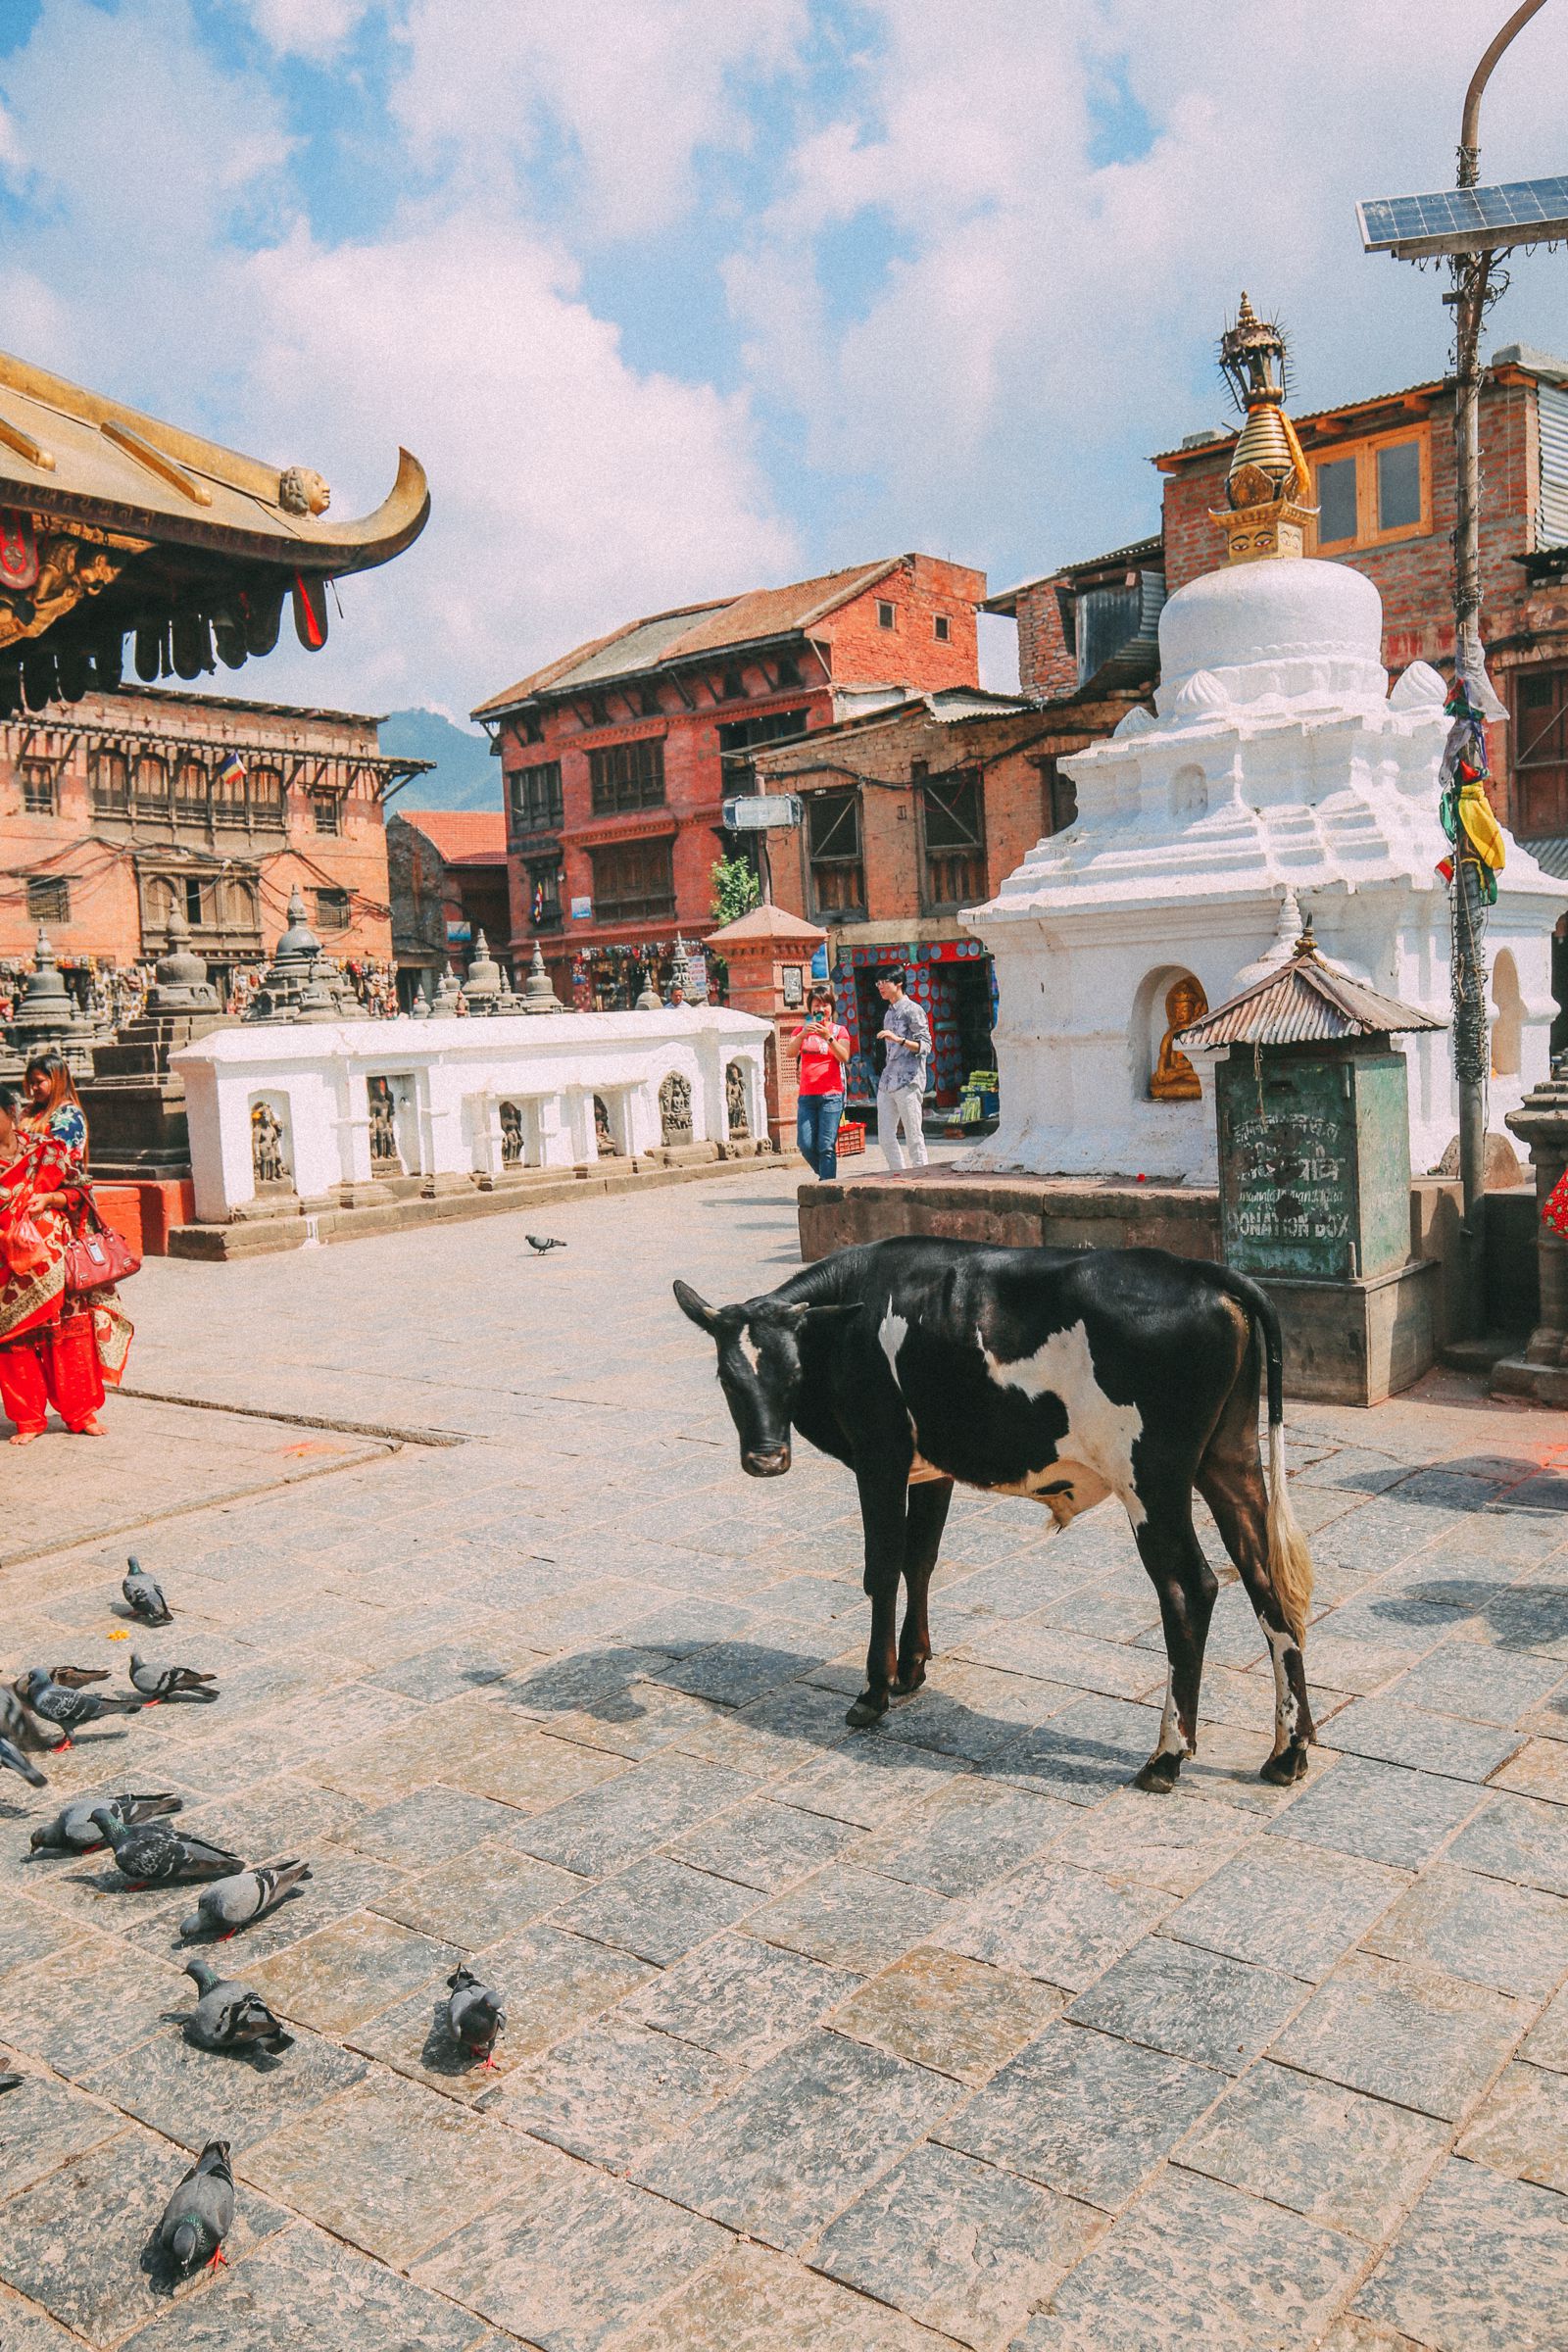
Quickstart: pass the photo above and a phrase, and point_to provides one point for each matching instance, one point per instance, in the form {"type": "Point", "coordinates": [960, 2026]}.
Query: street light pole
{"type": "Point", "coordinates": [1471, 293]}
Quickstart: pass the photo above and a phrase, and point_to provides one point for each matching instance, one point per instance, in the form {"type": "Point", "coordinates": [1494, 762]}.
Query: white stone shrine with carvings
{"type": "Point", "coordinates": [1278, 762]}
{"type": "Point", "coordinates": [311, 1108]}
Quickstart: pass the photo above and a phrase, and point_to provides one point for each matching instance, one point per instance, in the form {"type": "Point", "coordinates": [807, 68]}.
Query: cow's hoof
{"type": "Point", "coordinates": [1285, 1769]}
{"type": "Point", "coordinates": [1159, 1774]}
{"type": "Point", "coordinates": [865, 1709]}
{"type": "Point", "coordinates": [907, 1690]}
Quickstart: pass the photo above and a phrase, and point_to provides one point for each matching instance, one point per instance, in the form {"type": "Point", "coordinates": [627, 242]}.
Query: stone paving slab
{"type": "Point", "coordinates": [947, 2012]}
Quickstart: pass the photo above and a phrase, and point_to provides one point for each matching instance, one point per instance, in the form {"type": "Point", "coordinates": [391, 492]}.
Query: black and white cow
{"type": "Point", "coordinates": [1060, 1375]}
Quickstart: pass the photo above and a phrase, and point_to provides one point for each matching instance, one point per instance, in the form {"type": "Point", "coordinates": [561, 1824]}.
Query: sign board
{"type": "Point", "coordinates": [792, 976]}
{"type": "Point", "coordinates": [459, 934]}
{"type": "Point", "coordinates": [582, 910]}
{"type": "Point", "coordinates": [759, 811]}
{"type": "Point", "coordinates": [1314, 1165]}
{"type": "Point", "coordinates": [696, 976]}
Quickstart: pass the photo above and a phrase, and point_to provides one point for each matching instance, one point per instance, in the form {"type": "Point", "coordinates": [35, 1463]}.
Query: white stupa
{"type": "Point", "coordinates": [1280, 779]}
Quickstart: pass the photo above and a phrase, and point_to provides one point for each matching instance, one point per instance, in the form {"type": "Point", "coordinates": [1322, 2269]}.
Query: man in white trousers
{"type": "Point", "coordinates": [907, 1034]}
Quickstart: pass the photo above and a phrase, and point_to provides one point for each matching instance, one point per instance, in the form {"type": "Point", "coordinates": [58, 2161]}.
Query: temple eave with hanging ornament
{"type": "Point", "coordinates": [114, 523]}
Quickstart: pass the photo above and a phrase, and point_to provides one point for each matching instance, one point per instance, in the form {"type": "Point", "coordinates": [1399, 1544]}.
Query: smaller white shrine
{"type": "Point", "coordinates": [1279, 778]}
{"type": "Point", "coordinates": [320, 1109]}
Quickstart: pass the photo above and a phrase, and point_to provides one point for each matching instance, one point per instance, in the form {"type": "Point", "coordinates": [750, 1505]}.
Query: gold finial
{"type": "Point", "coordinates": [1268, 486]}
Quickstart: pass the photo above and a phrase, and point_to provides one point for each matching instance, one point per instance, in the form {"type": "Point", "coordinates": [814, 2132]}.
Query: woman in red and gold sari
{"type": "Point", "coordinates": [49, 1346]}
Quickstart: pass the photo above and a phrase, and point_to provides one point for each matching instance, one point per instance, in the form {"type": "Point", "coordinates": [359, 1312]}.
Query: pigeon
{"type": "Point", "coordinates": [156, 1683]}
{"type": "Point", "coordinates": [231, 1903]}
{"type": "Point", "coordinates": [71, 1710]}
{"type": "Point", "coordinates": [144, 1596]}
{"type": "Point", "coordinates": [541, 1243]}
{"type": "Point", "coordinates": [201, 2212]}
{"type": "Point", "coordinates": [74, 1832]}
{"type": "Point", "coordinates": [13, 1760]}
{"type": "Point", "coordinates": [76, 1677]}
{"type": "Point", "coordinates": [19, 1723]}
{"type": "Point", "coordinates": [228, 2016]}
{"type": "Point", "coordinates": [151, 1854]}
{"type": "Point", "coordinates": [474, 2014]}
{"type": "Point", "coordinates": [12, 2082]}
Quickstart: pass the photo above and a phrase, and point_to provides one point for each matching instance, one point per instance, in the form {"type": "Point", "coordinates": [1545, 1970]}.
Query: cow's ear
{"type": "Point", "coordinates": [706, 1317]}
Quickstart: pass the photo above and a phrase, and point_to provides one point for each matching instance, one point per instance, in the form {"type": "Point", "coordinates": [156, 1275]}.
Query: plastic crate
{"type": "Point", "coordinates": [852, 1139]}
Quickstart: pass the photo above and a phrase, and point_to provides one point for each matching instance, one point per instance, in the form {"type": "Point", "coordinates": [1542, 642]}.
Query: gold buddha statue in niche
{"type": "Point", "coordinates": [1174, 1079]}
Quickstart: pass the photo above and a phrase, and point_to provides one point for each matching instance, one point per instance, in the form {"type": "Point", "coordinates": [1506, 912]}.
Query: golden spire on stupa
{"type": "Point", "coordinates": [1268, 487]}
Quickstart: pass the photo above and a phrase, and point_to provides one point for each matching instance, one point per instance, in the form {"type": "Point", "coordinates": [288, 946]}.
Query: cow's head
{"type": "Point", "coordinates": [758, 1369]}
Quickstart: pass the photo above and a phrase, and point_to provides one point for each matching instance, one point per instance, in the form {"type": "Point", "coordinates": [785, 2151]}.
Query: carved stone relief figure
{"type": "Point", "coordinates": [269, 1164]}
{"type": "Point", "coordinates": [510, 1136]}
{"type": "Point", "coordinates": [1174, 1079]}
{"type": "Point", "coordinates": [676, 1108]}
{"type": "Point", "coordinates": [735, 1112]}
{"type": "Point", "coordinates": [604, 1136]}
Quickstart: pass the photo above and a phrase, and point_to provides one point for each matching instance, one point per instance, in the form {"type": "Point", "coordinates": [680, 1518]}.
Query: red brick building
{"type": "Point", "coordinates": [447, 871]}
{"type": "Point", "coordinates": [619, 757]}
{"type": "Point", "coordinates": [119, 808]}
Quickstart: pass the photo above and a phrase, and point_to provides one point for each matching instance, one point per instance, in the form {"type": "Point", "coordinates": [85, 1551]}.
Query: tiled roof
{"type": "Point", "coordinates": [463, 836]}
{"type": "Point", "coordinates": [696, 629]}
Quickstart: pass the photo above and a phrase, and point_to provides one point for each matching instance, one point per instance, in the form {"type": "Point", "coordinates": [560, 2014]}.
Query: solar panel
{"type": "Point", "coordinates": [1521, 212]}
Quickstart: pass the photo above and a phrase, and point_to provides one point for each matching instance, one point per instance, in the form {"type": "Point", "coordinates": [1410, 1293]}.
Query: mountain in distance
{"type": "Point", "coordinates": [464, 775]}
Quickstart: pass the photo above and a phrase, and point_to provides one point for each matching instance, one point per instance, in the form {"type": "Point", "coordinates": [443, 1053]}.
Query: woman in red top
{"type": "Point", "coordinates": [823, 1048]}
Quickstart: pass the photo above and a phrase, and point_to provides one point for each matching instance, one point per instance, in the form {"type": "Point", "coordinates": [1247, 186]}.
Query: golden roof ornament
{"type": "Point", "coordinates": [1268, 488]}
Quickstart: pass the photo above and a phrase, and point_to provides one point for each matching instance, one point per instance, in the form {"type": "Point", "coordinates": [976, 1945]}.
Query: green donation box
{"type": "Point", "coordinates": [1314, 1161]}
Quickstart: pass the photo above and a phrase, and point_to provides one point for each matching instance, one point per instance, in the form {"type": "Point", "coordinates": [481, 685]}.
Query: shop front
{"type": "Point", "coordinates": [952, 981]}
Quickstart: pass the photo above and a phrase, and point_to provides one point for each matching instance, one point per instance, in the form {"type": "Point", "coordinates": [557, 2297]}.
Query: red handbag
{"type": "Point", "coordinates": [96, 1256]}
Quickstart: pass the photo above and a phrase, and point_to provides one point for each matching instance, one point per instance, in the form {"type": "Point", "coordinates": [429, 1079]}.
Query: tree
{"type": "Point", "coordinates": [736, 890]}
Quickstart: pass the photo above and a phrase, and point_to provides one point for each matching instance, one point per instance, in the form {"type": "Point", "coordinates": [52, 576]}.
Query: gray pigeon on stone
{"type": "Point", "coordinates": [474, 2014]}
{"type": "Point", "coordinates": [152, 1854]}
{"type": "Point", "coordinates": [13, 1760]}
{"type": "Point", "coordinates": [75, 1830]}
{"type": "Point", "coordinates": [156, 1682]}
{"type": "Point", "coordinates": [71, 1710]}
{"type": "Point", "coordinates": [18, 1723]}
{"type": "Point", "coordinates": [231, 1903]}
{"type": "Point", "coordinates": [143, 1595]}
{"type": "Point", "coordinates": [229, 2016]}
{"type": "Point", "coordinates": [12, 2082]}
{"type": "Point", "coordinates": [76, 1677]}
{"type": "Point", "coordinates": [201, 2212]}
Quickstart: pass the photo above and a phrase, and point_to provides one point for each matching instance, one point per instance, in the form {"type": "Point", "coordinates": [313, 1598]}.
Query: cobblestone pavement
{"type": "Point", "coordinates": [937, 2033]}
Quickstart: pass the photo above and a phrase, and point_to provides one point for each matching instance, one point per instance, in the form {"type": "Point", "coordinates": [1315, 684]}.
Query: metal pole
{"type": "Point", "coordinates": [1472, 274]}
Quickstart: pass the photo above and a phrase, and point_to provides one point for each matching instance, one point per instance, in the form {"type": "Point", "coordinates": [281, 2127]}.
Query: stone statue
{"type": "Point", "coordinates": [1174, 1078]}
{"type": "Point", "coordinates": [510, 1136]}
{"type": "Point", "coordinates": [608, 1148]}
{"type": "Point", "coordinates": [676, 1108]}
{"type": "Point", "coordinates": [267, 1146]}
{"type": "Point", "coordinates": [735, 1100]}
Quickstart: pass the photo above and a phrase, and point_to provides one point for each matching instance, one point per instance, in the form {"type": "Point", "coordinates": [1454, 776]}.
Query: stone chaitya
{"type": "Point", "coordinates": [1277, 760]}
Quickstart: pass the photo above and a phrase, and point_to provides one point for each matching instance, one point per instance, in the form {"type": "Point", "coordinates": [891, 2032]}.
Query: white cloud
{"type": "Point", "coordinates": [313, 28]}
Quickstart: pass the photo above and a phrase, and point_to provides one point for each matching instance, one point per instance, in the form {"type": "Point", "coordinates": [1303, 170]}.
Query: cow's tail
{"type": "Point", "coordinates": [1290, 1556]}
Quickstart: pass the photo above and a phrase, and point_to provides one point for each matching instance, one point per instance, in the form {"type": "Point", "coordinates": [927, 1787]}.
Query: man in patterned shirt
{"type": "Point", "coordinates": [907, 1034]}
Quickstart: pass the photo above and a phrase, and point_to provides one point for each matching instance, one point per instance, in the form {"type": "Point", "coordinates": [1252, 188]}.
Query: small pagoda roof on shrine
{"type": "Point", "coordinates": [113, 522]}
{"type": "Point", "coordinates": [1303, 1000]}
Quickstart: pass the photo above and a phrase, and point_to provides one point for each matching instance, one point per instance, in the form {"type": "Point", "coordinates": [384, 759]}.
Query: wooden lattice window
{"type": "Point", "coordinates": [152, 782]}
{"type": "Point", "coordinates": [628, 775]}
{"type": "Point", "coordinates": [326, 812]}
{"type": "Point", "coordinates": [633, 880]}
{"type": "Point", "coordinates": [48, 898]}
{"type": "Point", "coordinates": [265, 796]}
{"type": "Point", "coordinates": [190, 791]}
{"type": "Point", "coordinates": [333, 910]}
{"type": "Point", "coordinates": [108, 782]}
{"type": "Point", "coordinates": [41, 791]}
{"type": "Point", "coordinates": [953, 822]}
{"type": "Point", "coordinates": [1541, 750]}
{"type": "Point", "coordinates": [833, 838]}
{"type": "Point", "coordinates": [536, 801]}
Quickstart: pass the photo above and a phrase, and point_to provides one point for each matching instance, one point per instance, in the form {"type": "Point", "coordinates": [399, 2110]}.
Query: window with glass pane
{"type": "Point", "coordinates": [953, 819]}
{"type": "Point", "coordinates": [634, 879]}
{"type": "Point", "coordinates": [536, 803]}
{"type": "Point", "coordinates": [833, 840]}
{"type": "Point", "coordinates": [1336, 501]}
{"type": "Point", "coordinates": [109, 781]}
{"type": "Point", "coordinates": [628, 775]}
{"type": "Point", "coordinates": [1540, 751]}
{"type": "Point", "coordinates": [1399, 485]}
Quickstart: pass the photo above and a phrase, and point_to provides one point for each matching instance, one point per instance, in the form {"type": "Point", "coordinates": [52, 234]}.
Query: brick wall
{"type": "Point", "coordinates": [1048, 667]}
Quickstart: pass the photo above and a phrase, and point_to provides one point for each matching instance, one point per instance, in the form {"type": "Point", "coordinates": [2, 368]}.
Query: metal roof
{"type": "Point", "coordinates": [1304, 1003]}
{"type": "Point", "coordinates": [1136, 552]}
{"type": "Point", "coordinates": [1550, 856]}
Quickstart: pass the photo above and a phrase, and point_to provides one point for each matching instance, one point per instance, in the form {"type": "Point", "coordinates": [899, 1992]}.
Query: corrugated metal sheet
{"type": "Point", "coordinates": [1552, 408]}
{"type": "Point", "coordinates": [1304, 1003]}
{"type": "Point", "coordinates": [1550, 856]}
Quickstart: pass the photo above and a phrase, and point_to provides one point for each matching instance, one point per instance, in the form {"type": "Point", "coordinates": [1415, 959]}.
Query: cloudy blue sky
{"type": "Point", "coordinates": [676, 295]}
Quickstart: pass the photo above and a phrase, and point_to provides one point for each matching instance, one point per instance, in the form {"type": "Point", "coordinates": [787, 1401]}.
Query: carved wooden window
{"type": "Point", "coordinates": [628, 775]}
{"type": "Point", "coordinates": [634, 879]}
{"type": "Point", "coordinates": [152, 782]}
{"type": "Point", "coordinates": [1541, 750]}
{"type": "Point", "coordinates": [108, 782]}
{"type": "Point", "coordinates": [953, 820]}
{"type": "Point", "coordinates": [326, 812]}
{"type": "Point", "coordinates": [49, 899]}
{"type": "Point", "coordinates": [1369, 493]}
{"type": "Point", "coordinates": [740, 737]}
{"type": "Point", "coordinates": [266, 798]}
{"type": "Point", "coordinates": [536, 802]}
{"type": "Point", "coordinates": [190, 791]}
{"type": "Point", "coordinates": [40, 792]}
{"type": "Point", "coordinates": [833, 843]}
{"type": "Point", "coordinates": [334, 911]}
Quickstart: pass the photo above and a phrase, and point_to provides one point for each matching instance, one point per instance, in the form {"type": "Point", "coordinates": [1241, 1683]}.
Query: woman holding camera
{"type": "Point", "coordinates": [823, 1049]}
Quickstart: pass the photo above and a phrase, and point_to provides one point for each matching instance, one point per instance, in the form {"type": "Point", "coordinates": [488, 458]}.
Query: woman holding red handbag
{"type": "Point", "coordinates": [52, 1341]}
{"type": "Point", "coordinates": [93, 1349]}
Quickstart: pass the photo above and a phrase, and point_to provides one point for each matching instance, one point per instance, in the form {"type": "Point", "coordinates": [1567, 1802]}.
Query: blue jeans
{"type": "Point", "coordinates": [816, 1130]}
